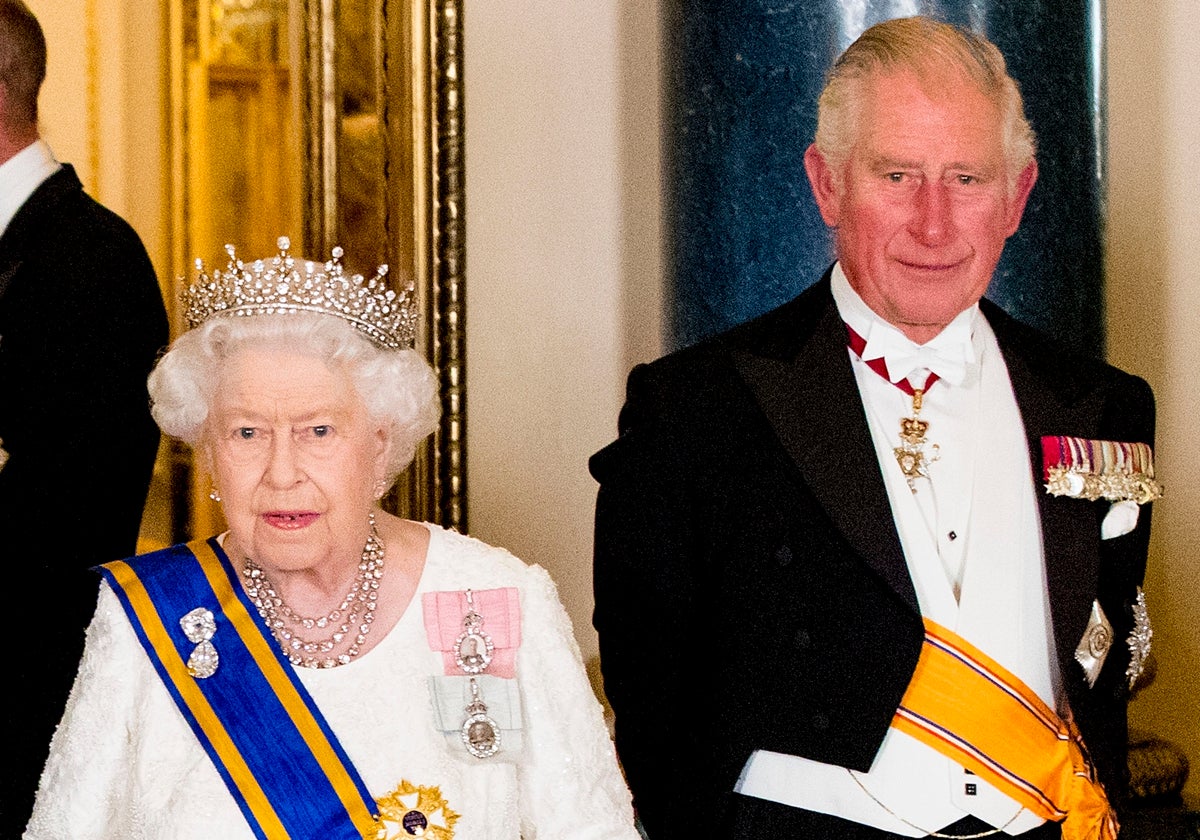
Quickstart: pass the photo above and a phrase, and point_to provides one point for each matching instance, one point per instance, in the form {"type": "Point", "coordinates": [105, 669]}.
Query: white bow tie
{"type": "Point", "coordinates": [948, 354]}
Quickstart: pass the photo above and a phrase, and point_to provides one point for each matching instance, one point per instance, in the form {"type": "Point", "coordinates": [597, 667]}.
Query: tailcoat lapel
{"type": "Point", "coordinates": [8, 270]}
{"type": "Point", "coordinates": [10, 260]}
{"type": "Point", "coordinates": [1052, 402]}
{"type": "Point", "coordinates": [800, 374]}
{"type": "Point", "coordinates": [821, 423]}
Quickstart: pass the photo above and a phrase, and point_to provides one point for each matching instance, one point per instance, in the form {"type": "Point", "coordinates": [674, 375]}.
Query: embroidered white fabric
{"type": "Point", "coordinates": [124, 764]}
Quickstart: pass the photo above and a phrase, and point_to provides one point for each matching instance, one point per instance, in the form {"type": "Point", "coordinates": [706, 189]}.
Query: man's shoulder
{"type": "Point", "coordinates": [697, 394]}
{"type": "Point", "coordinates": [778, 332]}
{"type": "Point", "coordinates": [1074, 371]}
{"type": "Point", "coordinates": [60, 220]}
{"type": "Point", "coordinates": [64, 234]}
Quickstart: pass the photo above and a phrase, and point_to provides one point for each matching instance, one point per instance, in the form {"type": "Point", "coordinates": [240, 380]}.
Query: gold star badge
{"type": "Point", "coordinates": [415, 811]}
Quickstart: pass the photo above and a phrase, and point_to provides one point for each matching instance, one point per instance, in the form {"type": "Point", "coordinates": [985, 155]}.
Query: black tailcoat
{"type": "Point", "coordinates": [751, 590]}
{"type": "Point", "coordinates": [81, 323]}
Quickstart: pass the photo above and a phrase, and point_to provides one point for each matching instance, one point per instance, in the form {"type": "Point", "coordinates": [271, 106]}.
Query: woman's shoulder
{"type": "Point", "coordinates": [458, 549]}
{"type": "Point", "coordinates": [470, 561]}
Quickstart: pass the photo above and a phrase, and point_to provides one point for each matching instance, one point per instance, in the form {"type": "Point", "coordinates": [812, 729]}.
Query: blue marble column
{"type": "Point", "coordinates": [743, 79]}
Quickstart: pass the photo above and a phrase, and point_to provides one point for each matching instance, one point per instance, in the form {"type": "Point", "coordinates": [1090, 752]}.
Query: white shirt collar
{"type": "Point", "coordinates": [948, 354]}
{"type": "Point", "coordinates": [21, 175]}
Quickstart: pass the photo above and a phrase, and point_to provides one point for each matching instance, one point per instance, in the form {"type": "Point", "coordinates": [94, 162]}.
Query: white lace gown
{"type": "Point", "coordinates": [124, 764]}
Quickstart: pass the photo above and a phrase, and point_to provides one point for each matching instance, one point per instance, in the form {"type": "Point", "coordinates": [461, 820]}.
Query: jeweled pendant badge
{"type": "Point", "coordinates": [473, 649]}
{"type": "Point", "coordinates": [480, 734]}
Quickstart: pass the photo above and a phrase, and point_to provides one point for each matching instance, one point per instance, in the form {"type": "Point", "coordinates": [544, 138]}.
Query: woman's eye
{"type": "Point", "coordinates": [322, 431]}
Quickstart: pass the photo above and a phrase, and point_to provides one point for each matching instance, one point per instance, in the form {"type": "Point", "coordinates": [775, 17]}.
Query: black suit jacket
{"type": "Point", "coordinates": [81, 323]}
{"type": "Point", "coordinates": [751, 590]}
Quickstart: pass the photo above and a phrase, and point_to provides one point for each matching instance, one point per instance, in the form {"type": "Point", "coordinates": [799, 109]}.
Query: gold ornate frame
{"type": "Point", "coordinates": [405, 58]}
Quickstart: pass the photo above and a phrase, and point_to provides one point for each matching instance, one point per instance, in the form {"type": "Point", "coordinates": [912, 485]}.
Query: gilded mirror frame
{"type": "Point", "coordinates": [339, 71]}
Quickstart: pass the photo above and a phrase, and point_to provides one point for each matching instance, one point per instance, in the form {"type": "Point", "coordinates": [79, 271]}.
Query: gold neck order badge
{"type": "Point", "coordinates": [911, 455]}
{"type": "Point", "coordinates": [914, 461]}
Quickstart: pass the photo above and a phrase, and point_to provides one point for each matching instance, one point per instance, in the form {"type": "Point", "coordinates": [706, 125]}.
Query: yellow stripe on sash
{"type": "Point", "coordinates": [185, 683]}
{"type": "Point", "coordinates": [264, 655]}
{"type": "Point", "coordinates": [971, 709]}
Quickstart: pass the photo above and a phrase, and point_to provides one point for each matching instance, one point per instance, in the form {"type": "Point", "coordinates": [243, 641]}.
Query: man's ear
{"type": "Point", "coordinates": [1021, 190]}
{"type": "Point", "coordinates": [825, 185]}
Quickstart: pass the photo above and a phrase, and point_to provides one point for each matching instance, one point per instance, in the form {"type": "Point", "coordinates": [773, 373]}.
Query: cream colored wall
{"type": "Point", "coordinates": [1153, 299]}
{"type": "Point", "coordinates": [563, 264]}
{"type": "Point", "coordinates": [64, 101]}
{"type": "Point", "coordinates": [101, 108]}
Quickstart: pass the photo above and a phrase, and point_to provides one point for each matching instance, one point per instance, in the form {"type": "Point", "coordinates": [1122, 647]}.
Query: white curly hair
{"type": "Point", "coordinates": [398, 387]}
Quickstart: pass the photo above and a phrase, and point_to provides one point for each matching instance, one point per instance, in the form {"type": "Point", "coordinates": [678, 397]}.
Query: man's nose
{"type": "Point", "coordinates": [933, 220]}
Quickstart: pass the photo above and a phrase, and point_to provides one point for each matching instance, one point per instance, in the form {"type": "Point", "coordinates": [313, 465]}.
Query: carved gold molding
{"type": "Point", "coordinates": [91, 16]}
{"type": "Point", "coordinates": [450, 244]}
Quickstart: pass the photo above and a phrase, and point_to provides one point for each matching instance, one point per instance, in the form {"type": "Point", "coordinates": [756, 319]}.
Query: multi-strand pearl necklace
{"type": "Point", "coordinates": [356, 610]}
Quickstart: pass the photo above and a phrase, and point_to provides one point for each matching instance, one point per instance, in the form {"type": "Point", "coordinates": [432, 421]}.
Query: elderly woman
{"type": "Point", "coordinates": [323, 669]}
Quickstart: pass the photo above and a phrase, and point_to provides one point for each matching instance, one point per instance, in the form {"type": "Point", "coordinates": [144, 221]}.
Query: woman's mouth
{"type": "Point", "coordinates": [290, 520]}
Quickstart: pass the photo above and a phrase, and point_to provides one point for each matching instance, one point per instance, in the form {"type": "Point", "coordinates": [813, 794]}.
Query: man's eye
{"type": "Point", "coordinates": [895, 177]}
{"type": "Point", "coordinates": [246, 433]}
{"type": "Point", "coordinates": [322, 431]}
{"type": "Point", "coordinates": [965, 180]}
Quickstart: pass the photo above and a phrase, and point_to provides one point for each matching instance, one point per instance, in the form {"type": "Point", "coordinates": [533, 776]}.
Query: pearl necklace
{"type": "Point", "coordinates": [357, 608]}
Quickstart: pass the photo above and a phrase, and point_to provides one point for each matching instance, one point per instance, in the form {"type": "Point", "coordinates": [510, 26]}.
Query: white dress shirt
{"type": "Point", "coordinates": [972, 541]}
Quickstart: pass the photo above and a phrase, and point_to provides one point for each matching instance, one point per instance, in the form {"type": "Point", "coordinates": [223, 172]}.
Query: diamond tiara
{"type": "Point", "coordinates": [284, 285]}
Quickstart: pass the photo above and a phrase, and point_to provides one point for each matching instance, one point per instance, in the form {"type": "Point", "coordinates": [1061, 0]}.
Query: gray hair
{"type": "Point", "coordinates": [22, 62]}
{"type": "Point", "coordinates": [922, 46]}
{"type": "Point", "coordinates": [398, 387]}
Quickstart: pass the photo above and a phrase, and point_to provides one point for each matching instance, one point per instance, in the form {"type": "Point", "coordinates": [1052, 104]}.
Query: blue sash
{"type": "Point", "coordinates": [262, 730]}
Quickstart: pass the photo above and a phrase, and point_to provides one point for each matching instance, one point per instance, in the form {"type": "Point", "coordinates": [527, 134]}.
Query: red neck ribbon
{"type": "Point", "coordinates": [858, 344]}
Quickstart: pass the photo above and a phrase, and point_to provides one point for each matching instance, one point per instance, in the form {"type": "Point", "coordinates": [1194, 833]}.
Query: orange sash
{"type": "Point", "coordinates": [970, 709]}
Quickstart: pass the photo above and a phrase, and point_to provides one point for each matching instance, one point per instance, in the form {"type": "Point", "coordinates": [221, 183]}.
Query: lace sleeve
{"type": "Point", "coordinates": [571, 785]}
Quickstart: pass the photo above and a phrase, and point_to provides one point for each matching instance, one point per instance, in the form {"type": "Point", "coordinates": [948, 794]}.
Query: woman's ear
{"type": "Point", "coordinates": [382, 460]}
{"type": "Point", "coordinates": [205, 463]}
{"type": "Point", "coordinates": [204, 458]}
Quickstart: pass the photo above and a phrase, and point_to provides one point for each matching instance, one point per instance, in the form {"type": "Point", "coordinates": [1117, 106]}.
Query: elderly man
{"type": "Point", "coordinates": [81, 322]}
{"type": "Point", "coordinates": [861, 562]}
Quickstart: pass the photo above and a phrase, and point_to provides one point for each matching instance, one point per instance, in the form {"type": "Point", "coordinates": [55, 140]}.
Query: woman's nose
{"type": "Point", "coordinates": [283, 470]}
